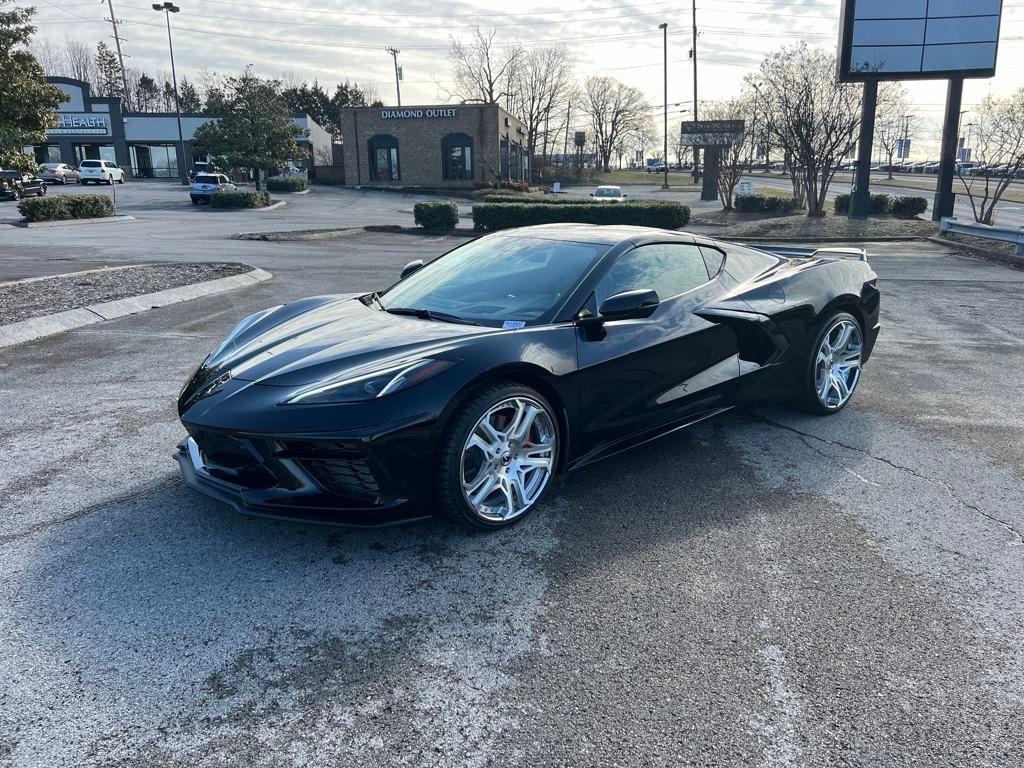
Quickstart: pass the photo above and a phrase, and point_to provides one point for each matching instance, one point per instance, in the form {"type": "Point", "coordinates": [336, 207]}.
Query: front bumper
{"type": "Point", "coordinates": [286, 488]}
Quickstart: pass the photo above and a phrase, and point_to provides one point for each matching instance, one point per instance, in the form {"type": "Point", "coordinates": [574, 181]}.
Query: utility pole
{"type": "Point", "coordinates": [168, 8]}
{"type": "Point", "coordinates": [565, 149]}
{"type": "Point", "coordinates": [398, 88]}
{"type": "Point", "coordinates": [120, 56]}
{"type": "Point", "coordinates": [664, 157]}
{"type": "Point", "coordinates": [696, 117]}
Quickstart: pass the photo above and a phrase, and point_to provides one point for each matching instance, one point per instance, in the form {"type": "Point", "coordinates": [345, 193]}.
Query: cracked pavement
{"type": "Point", "coordinates": [765, 589]}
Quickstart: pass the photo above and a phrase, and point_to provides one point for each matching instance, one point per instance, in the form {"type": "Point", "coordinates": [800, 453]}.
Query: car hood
{"type": "Point", "coordinates": [304, 342]}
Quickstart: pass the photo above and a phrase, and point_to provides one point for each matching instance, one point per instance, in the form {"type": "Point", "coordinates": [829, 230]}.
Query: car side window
{"type": "Point", "coordinates": [713, 258]}
{"type": "Point", "coordinates": [668, 268]}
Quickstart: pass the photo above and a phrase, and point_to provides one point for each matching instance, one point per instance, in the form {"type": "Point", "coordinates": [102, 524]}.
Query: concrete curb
{"type": "Point", "coordinates": [273, 206]}
{"type": "Point", "coordinates": [69, 222]}
{"type": "Point", "coordinates": [48, 325]}
{"type": "Point", "coordinates": [982, 253]}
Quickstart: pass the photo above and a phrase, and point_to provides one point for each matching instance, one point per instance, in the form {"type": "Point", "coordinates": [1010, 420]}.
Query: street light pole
{"type": "Point", "coordinates": [169, 8]}
{"type": "Point", "coordinates": [664, 154]}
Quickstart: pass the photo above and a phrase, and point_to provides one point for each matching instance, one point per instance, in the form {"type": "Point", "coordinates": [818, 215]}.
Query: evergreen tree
{"type": "Point", "coordinates": [27, 101]}
{"type": "Point", "coordinates": [255, 129]}
{"type": "Point", "coordinates": [109, 72]}
{"type": "Point", "coordinates": [146, 94]}
{"type": "Point", "coordinates": [188, 97]}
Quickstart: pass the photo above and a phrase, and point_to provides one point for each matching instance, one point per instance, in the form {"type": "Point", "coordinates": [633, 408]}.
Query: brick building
{"type": "Point", "coordinates": [452, 146]}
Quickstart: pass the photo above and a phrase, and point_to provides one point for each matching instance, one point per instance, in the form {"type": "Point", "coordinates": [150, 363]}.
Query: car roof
{"type": "Point", "coordinates": [609, 186]}
{"type": "Point", "coordinates": [605, 235]}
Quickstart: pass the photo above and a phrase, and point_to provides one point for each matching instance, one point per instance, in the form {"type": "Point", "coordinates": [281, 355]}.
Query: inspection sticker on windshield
{"type": "Point", "coordinates": [513, 324]}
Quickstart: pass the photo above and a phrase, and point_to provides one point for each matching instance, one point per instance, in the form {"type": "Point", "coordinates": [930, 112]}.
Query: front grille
{"type": "Point", "coordinates": [345, 477]}
{"type": "Point", "coordinates": [234, 459]}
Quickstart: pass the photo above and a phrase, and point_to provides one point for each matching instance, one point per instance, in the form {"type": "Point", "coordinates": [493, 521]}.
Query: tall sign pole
{"type": "Point", "coordinates": [944, 202]}
{"type": "Point", "coordinates": [861, 202]}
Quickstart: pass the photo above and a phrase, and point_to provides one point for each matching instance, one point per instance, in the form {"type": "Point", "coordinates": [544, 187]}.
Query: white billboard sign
{"type": "Point", "coordinates": [918, 39]}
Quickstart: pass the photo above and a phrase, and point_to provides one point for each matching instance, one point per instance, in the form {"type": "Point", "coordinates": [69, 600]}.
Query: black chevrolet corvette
{"type": "Point", "coordinates": [468, 384]}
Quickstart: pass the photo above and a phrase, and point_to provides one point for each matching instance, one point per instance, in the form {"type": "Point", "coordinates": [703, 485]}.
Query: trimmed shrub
{"type": "Point", "coordinates": [88, 206]}
{"type": "Point", "coordinates": [436, 215]}
{"type": "Point", "coordinates": [516, 186]}
{"type": "Point", "coordinates": [879, 204]}
{"type": "Point", "coordinates": [645, 213]}
{"type": "Point", "coordinates": [240, 199]}
{"type": "Point", "coordinates": [908, 207]}
{"type": "Point", "coordinates": [66, 207]}
{"type": "Point", "coordinates": [842, 204]}
{"type": "Point", "coordinates": [287, 184]}
{"type": "Point", "coordinates": [764, 204]}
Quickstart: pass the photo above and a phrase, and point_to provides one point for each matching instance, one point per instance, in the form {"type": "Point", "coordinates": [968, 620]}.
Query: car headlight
{"type": "Point", "coordinates": [355, 388]}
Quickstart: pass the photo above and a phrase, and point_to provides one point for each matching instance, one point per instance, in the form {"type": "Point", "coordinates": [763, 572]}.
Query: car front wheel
{"type": "Point", "coordinates": [497, 456]}
{"type": "Point", "coordinates": [832, 369]}
{"type": "Point", "coordinates": [42, 190]}
{"type": "Point", "coordinates": [110, 181]}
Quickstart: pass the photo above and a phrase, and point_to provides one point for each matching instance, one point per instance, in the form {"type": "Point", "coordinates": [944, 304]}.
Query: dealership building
{"type": "Point", "coordinates": [96, 128]}
{"type": "Point", "coordinates": [448, 146]}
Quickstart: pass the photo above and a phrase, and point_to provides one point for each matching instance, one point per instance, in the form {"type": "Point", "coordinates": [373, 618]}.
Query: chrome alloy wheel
{"type": "Point", "coordinates": [508, 459]}
{"type": "Point", "coordinates": [838, 364]}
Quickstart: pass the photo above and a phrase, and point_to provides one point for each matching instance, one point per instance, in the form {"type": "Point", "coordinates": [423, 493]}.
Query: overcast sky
{"type": "Point", "coordinates": [330, 40]}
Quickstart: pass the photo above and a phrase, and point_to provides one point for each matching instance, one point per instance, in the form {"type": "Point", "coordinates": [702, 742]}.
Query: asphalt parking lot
{"type": "Point", "coordinates": [765, 589]}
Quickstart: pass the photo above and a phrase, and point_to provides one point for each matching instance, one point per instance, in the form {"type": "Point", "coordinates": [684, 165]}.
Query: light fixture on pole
{"type": "Point", "coordinates": [168, 9]}
{"type": "Point", "coordinates": [664, 154]}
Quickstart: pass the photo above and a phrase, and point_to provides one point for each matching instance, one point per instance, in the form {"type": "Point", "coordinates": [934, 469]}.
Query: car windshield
{"type": "Point", "coordinates": [607, 192]}
{"type": "Point", "coordinates": [10, 174]}
{"type": "Point", "coordinates": [207, 180]}
{"type": "Point", "coordinates": [498, 280]}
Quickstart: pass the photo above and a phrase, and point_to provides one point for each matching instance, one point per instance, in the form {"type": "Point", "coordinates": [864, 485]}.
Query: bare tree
{"type": "Point", "coordinates": [893, 121]}
{"type": "Point", "coordinates": [615, 110]}
{"type": "Point", "coordinates": [810, 116]}
{"type": "Point", "coordinates": [483, 71]}
{"type": "Point", "coordinates": [676, 147]}
{"type": "Point", "coordinates": [80, 60]}
{"type": "Point", "coordinates": [543, 83]}
{"type": "Point", "coordinates": [998, 130]}
{"type": "Point", "coordinates": [646, 138]}
{"type": "Point", "coordinates": [49, 56]}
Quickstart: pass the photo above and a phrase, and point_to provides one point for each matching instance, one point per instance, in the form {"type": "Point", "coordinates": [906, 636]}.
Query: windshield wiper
{"type": "Point", "coordinates": [429, 314]}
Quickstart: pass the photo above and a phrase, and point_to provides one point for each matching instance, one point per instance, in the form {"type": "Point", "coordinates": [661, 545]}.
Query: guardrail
{"type": "Point", "coordinates": [1013, 235]}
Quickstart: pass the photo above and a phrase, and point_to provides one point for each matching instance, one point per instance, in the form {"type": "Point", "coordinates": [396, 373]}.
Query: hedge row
{"type": "Point", "coordinates": [287, 184]}
{"type": "Point", "coordinates": [663, 214]}
{"type": "Point", "coordinates": [66, 207]}
{"type": "Point", "coordinates": [904, 207]}
{"type": "Point", "coordinates": [765, 204]}
{"type": "Point", "coordinates": [436, 215]}
{"type": "Point", "coordinates": [240, 199]}
{"type": "Point", "coordinates": [545, 200]}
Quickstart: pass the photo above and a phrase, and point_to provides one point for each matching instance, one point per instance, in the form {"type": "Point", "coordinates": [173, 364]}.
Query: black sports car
{"type": "Point", "coordinates": [466, 386]}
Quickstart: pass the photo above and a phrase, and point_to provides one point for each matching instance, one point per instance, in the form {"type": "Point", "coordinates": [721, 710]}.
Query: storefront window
{"type": "Point", "coordinates": [154, 161]}
{"type": "Point", "coordinates": [383, 158]}
{"type": "Point", "coordinates": [94, 152]}
{"type": "Point", "coordinates": [457, 156]}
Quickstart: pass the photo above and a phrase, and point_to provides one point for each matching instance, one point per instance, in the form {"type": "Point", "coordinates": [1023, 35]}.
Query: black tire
{"type": "Point", "coordinates": [63, 180]}
{"type": "Point", "coordinates": [42, 190]}
{"type": "Point", "coordinates": [110, 181]}
{"type": "Point", "coordinates": [195, 201]}
{"type": "Point", "coordinates": [448, 486]}
{"type": "Point", "coordinates": [121, 180]}
{"type": "Point", "coordinates": [15, 195]}
{"type": "Point", "coordinates": [807, 398]}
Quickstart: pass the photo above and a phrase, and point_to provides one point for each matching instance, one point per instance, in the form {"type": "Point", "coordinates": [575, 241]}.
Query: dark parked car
{"type": "Point", "coordinates": [466, 386]}
{"type": "Point", "coordinates": [15, 185]}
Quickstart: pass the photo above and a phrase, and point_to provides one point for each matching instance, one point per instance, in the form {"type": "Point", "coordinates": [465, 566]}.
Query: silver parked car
{"type": "Point", "coordinates": [205, 184]}
{"type": "Point", "coordinates": [58, 173]}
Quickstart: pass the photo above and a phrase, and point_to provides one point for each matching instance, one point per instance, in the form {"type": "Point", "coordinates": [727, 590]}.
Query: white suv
{"type": "Point", "coordinates": [100, 172]}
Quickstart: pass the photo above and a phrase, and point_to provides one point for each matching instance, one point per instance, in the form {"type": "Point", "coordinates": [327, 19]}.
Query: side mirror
{"type": "Point", "coordinates": [412, 266]}
{"type": "Point", "coordinates": [630, 305]}
{"type": "Point", "coordinates": [625, 195]}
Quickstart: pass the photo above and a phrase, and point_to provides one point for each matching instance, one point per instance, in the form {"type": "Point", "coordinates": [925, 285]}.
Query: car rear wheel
{"type": "Point", "coordinates": [15, 194]}
{"type": "Point", "coordinates": [833, 368]}
{"type": "Point", "coordinates": [63, 180]}
{"type": "Point", "coordinates": [121, 180]}
{"type": "Point", "coordinates": [42, 190]}
{"type": "Point", "coordinates": [498, 455]}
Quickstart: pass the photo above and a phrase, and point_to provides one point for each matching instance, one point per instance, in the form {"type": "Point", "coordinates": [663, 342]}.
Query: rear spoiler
{"type": "Point", "coordinates": [813, 253]}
